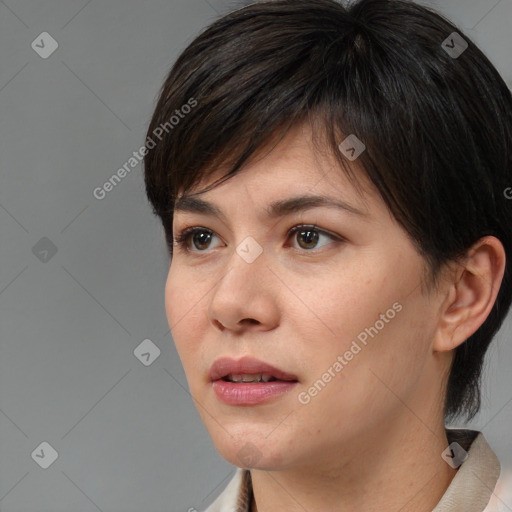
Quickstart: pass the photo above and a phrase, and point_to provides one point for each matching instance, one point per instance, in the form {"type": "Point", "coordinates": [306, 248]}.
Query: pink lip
{"type": "Point", "coordinates": [248, 393]}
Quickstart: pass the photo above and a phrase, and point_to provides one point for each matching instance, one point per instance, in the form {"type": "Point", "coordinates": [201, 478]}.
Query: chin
{"type": "Point", "coordinates": [250, 451]}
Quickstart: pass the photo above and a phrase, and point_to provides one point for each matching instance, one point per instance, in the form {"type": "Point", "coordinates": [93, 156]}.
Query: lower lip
{"type": "Point", "coordinates": [250, 393]}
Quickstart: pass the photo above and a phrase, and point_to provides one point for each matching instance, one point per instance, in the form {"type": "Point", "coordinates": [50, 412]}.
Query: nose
{"type": "Point", "coordinates": [245, 297]}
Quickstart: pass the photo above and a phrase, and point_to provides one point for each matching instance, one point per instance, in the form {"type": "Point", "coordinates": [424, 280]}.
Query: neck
{"type": "Point", "coordinates": [385, 471]}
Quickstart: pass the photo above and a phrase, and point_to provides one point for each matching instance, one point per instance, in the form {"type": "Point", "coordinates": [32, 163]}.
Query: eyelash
{"type": "Point", "coordinates": [184, 236]}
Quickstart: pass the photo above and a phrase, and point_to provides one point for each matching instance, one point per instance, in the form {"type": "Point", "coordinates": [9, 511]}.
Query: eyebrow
{"type": "Point", "coordinates": [278, 208]}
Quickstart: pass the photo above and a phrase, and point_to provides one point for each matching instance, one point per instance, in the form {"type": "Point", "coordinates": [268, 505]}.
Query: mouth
{"type": "Point", "coordinates": [249, 382]}
{"type": "Point", "coordinates": [247, 370]}
{"type": "Point", "coordinates": [255, 377]}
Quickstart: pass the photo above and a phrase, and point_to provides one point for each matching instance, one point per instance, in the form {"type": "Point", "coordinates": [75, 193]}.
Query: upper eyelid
{"type": "Point", "coordinates": [291, 230]}
{"type": "Point", "coordinates": [313, 227]}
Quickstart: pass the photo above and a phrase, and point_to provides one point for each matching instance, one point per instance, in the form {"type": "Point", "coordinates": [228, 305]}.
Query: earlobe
{"type": "Point", "coordinates": [471, 294]}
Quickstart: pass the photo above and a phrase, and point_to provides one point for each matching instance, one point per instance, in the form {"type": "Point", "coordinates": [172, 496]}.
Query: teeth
{"type": "Point", "coordinates": [255, 377]}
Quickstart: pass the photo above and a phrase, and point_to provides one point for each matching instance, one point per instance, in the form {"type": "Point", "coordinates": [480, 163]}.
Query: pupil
{"type": "Point", "coordinates": [311, 237]}
{"type": "Point", "coordinates": [197, 238]}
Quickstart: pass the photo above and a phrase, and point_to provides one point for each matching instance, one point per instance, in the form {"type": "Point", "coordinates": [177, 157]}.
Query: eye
{"type": "Point", "coordinates": [200, 237]}
{"type": "Point", "coordinates": [307, 235]}
{"type": "Point", "coordinates": [310, 235]}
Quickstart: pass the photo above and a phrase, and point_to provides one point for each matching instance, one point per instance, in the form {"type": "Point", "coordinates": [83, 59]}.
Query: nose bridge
{"type": "Point", "coordinates": [245, 267]}
{"type": "Point", "coordinates": [249, 250]}
{"type": "Point", "coordinates": [242, 292]}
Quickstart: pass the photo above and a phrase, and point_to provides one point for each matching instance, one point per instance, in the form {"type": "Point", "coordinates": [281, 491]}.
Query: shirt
{"type": "Point", "coordinates": [479, 485]}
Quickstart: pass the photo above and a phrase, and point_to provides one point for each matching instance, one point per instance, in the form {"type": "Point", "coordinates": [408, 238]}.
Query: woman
{"type": "Point", "coordinates": [331, 181]}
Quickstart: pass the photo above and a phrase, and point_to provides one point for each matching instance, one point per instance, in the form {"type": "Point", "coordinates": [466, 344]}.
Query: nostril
{"type": "Point", "coordinates": [218, 325]}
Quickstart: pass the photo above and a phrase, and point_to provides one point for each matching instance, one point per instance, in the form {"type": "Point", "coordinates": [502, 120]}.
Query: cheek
{"type": "Point", "coordinates": [171, 290]}
{"type": "Point", "coordinates": [343, 307]}
{"type": "Point", "coordinates": [182, 308]}
{"type": "Point", "coordinates": [375, 319]}
{"type": "Point", "coordinates": [375, 380]}
{"type": "Point", "coordinates": [389, 370]}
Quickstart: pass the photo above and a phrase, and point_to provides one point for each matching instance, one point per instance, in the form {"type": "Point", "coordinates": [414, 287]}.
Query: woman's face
{"type": "Point", "coordinates": [337, 308]}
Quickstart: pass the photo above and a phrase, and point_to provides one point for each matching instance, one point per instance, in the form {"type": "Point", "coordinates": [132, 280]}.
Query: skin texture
{"type": "Point", "coordinates": [372, 438]}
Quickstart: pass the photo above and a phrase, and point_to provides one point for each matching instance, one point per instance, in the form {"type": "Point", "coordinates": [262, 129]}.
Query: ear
{"type": "Point", "coordinates": [471, 293]}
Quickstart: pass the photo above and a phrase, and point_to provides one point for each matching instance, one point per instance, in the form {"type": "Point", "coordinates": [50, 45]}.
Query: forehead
{"type": "Point", "coordinates": [298, 164]}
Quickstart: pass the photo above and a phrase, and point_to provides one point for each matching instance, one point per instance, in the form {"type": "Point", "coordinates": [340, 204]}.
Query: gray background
{"type": "Point", "coordinates": [127, 435]}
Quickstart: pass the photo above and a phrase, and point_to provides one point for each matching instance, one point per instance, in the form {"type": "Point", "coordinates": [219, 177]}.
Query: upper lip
{"type": "Point", "coordinates": [246, 365]}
